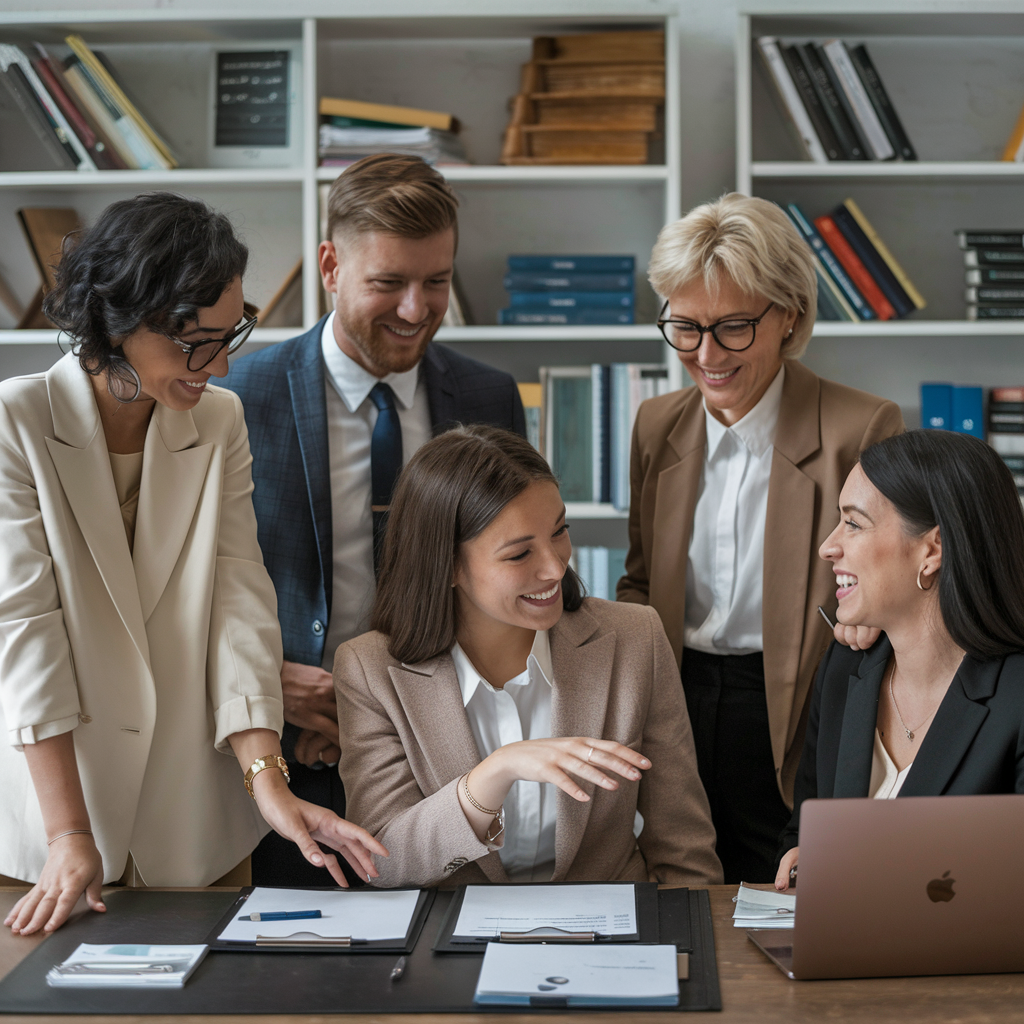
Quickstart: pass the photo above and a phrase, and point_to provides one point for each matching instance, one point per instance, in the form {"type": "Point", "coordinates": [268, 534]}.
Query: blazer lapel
{"type": "Point", "coordinates": [173, 477]}
{"type": "Point", "coordinates": [309, 405]}
{"type": "Point", "coordinates": [579, 702]}
{"type": "Point", "coordinates": [788, 542]}
{"type": "Point", "coordinates": [430, 694]}
{"type": "Point", "coordinates": [441, 396]}
{"type": "Point", "coordinates": [80, 457]}
{"type": "Point", "coordinates": [857, 738]}
{"type": "Point", "coordinates": [675, 503]}
{"type": "Point", "coordinates": [953, 730]}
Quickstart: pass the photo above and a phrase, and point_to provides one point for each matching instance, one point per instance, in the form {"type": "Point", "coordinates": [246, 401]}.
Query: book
{"type": "Point", "coordinates": [127, 965]}
{"type": "Point", "coordinates": [979, 312]}
{"type": "Point", "coordinates": [1014, 149]}
{"type": "Point", "coordinates": [572, 300]}
{"type": "Point", "coordinates": [1007, 444]}
{"type": "Point", "coordinates": [526, 315]}
{"type": "Point", "coordinates": [826, 72]}
{"type": "Point", "coordinates": [995, 295]}
{"type": "Point", "coordinates": [884, 108]}
{"type": "Point", "coordinates": [872, 259]}
{"type": "Point", "coordinates": [599, 569]}
{"type": "Point", "coordinates": [54, 115]}
{"type": "Point", "coordinates": [790, 104]}
{"type": "Point", "coordinates": [45, 229]}
{"type": "Point", "coordinates": [812, 102]}
{"type": "Point", "coordinates": [990, 239]}
{"type": "Point", "coordinates": [844, 132]}
{"type": "Point", "coordinates": [601, 426]}
{"type": "Point", "coordinates": [29, 143]}
{"type": "Point", "coordinates": [968, 410]}
{"type": "Point", "coordinates": [346, 145]}
{"type": "Point", "coordinates": [539, 281]}
{"type": "Point", "coordinates": [574, 264]}
{"type": "Point", "coordinates": [937, 406]}
{"type": "Point", "coordinates": [993, 257]}
{"type": "Point", "coordinates": [531, 396]}
{"type": "Point", "coordinates": [383, 112]}
{"type": "Point", "coordinates": [880, 247]}
{"type": "Point", "coordinates": [859, 103]}
{"type": "Point", "coordinates": [568, 429]}
{"type": "Point", "coordinates": [831, 301]}
{"type": "Point", "coordinates": [831, 264]}
{"type": "Point", "coordinates": [103, 114]}
{"type": "Point", "coordinates": [851, 263]}
{"type": "Point", "coordinates": [631, 384]}
{"type": "Point", "coordinates": [994, 275]}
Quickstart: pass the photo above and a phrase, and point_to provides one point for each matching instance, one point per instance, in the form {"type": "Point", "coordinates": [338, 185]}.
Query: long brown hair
{"type": "Point", "coordinates": [451, 490]}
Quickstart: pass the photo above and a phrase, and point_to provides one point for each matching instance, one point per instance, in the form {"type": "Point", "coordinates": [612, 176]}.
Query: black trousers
{"type": "Point", "coordinates": [277, 861]}
{"type": "Point", "coordinates": [729, 716]}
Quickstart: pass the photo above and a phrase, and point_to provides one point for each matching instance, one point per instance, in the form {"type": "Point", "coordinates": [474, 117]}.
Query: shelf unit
{"type": "Point", "coordinates": [442, 55]}
{"type": "Point", "coordinates": [956, 76]}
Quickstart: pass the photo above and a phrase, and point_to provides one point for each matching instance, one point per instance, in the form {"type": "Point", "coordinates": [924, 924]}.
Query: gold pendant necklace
{"type": "Point", "coordinates": [892, 696]}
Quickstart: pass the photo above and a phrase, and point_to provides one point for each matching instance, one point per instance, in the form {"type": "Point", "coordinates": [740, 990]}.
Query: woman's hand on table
{"type": "Point", "coordinates": [73, 866]}
{"type": "Point", "coordinates": [789, 862]}
{"type": "Point", "coordinates": [307, 824]}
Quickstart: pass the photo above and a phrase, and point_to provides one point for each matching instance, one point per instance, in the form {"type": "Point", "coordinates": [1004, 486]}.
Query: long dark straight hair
{"type": "Point", "coordinates": [451, 490]}
{"type": "Point", "coordinates": [958, 483]}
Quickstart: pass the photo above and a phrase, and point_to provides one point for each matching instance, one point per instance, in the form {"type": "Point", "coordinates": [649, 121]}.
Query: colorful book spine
{"type": "Point", "coordinates": [855, 268]}
{"type": "Point", "coordinates": [574, 264]}
{"type": "Point", "coordinates": [937, 406]}
{"type": "Point", "coordinates": [883, 250]}
{"type": "Point", "coordinates": [572, 300]}
{"type": "Point", "coordinates": [968, 410]}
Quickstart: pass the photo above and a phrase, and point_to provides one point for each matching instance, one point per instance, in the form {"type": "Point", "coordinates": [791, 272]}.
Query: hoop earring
{"type": "Point", "coordinates": [120, 369]}
{"type": "Point", "coordinates": [919, 587]}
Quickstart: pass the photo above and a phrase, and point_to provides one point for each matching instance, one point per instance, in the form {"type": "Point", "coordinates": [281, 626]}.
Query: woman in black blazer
{"type": "Point", "coordinates": [930, 549]}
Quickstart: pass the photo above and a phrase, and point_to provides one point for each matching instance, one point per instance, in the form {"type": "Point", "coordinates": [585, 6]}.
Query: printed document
{"type": "Point", "coordinates": [370, 915]}
{"type": "Point", "coordinates": [759, 908]}
{"type": "Point", "coordinates": [488, 910]}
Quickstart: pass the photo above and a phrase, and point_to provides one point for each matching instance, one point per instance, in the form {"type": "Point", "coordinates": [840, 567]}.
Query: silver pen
{"type": "Point", "coordinates": [831, 624]}
{"type": "Point", "coordinates": [399, 969]}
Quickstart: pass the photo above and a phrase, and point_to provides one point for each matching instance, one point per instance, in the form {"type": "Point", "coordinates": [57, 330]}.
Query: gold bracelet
{"type": "Point", "coordinates": [470, 798]}
{"type": "Point", "coordinates": [268, 761]}
{"type": "Point", "coordinates": [70, 832]}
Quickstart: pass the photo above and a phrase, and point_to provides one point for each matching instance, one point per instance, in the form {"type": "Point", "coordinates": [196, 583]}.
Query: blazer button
{"type": "Point", "coordinates": [85, 719]}
{"type": "Point", "coordinates": [318, 628]}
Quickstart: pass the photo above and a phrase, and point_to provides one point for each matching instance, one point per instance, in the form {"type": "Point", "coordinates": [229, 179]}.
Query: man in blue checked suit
{"type": "Point", "coordinates": [333, 415]}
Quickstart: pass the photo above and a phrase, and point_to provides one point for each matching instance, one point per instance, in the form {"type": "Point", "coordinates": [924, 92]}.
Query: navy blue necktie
{"type": "Point", "coordinates": [385, 462]}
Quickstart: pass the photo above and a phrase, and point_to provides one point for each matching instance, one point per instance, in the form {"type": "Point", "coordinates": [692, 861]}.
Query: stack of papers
{"type": "Point", "coordinates": [756, 908]}
{"type": "Point", "coordinates": [580, 975]}
{"type": "Point", "coordinates": [346, 145]}
{"type": "Point", "coordinates": [127, 966]}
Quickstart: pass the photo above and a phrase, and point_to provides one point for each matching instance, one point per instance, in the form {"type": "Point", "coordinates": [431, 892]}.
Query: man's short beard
{"type": "Point", "coordinates": [376, 351]}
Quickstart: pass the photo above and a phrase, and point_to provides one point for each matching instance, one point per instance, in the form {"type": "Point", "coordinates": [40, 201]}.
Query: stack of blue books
{"type": "Point", "coordinates": [589, 290]}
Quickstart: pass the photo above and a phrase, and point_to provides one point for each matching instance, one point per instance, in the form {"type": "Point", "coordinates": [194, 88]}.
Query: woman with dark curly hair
{"type": "Point", "coordinates": [138, 627]}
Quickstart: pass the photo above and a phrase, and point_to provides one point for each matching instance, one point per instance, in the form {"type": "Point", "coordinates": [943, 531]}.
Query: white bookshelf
{"type": "Point", "coordinates": [955, 73]}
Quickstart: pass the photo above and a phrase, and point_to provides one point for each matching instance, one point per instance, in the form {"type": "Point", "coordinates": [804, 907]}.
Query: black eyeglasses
{"type": "Point", "coordinates": [686, 336]}
{"type": "Point", "coordinates": [202, 353]}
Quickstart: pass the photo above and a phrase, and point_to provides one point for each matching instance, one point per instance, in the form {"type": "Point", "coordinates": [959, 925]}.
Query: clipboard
{"type": "Point", "coordinates": [306, 941]}
{"type": "Point", "coordinates": [646, 918]}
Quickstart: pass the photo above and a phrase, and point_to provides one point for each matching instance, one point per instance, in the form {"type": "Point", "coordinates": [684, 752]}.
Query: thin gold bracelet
{"type": "Point", "coordinates": [70, 832]}
{"type": "Point", "coordinates": [472, 800]}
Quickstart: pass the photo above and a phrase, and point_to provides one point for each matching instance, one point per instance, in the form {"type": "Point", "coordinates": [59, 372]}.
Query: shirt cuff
{"type": "Point", "coordinates": [37, 733]}
{"type": "Point", "coordinates": [243, 713]}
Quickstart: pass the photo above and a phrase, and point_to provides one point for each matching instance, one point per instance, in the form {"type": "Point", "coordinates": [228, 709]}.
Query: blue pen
{"type": "Point", "coordinates": [281, 915]}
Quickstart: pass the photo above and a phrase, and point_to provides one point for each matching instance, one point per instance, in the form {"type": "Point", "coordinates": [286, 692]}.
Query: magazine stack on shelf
{"type": "Point", "coordinates": [587, 290]}
{"type": "Point", "coordinates": [1006, 429]}
{"type": "Point", "coordinates": [858, 277]}
{"type": "Point", "coordinates": [833, 98]}
{"type": "Point", "coordinates": [993, 273]}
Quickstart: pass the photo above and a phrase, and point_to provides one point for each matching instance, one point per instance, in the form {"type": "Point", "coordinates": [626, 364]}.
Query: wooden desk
{"type": "Point", "coordinates": [754, 991]}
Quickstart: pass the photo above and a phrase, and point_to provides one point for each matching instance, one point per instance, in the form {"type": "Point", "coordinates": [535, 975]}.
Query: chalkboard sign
{"type": "Point", "coordinates": [252, 98]}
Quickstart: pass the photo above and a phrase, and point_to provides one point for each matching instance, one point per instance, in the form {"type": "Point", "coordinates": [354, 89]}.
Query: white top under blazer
{"type": "Point", "coordinates": [153, 659]}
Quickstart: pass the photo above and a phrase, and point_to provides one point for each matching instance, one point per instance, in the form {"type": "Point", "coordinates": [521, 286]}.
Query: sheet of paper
{"type": "Point", "coordinates": [126, 965]}
{"type": "Point", "coordinates": [488, 910]}
{"type": "Point", "coordinates": [371, 914]}
{"type": "Point", "coordinates": [590, 974]}
{"type": "Point", "coordinates": [759, 908]}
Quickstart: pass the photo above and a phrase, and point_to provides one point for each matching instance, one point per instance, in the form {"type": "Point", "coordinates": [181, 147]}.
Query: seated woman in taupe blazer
{"type": "Point", "coordinates": [139, 640]}
{"type": "Point", "coordinates": [734, 482]}
{"type": "Point", "coordinates": [497, 725]}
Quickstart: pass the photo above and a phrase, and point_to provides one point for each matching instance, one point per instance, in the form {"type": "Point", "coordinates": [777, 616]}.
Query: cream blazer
{"type": "Point", "coordinates": [406, 742]}
{"type": "Point", "coordinates": [153, 661]}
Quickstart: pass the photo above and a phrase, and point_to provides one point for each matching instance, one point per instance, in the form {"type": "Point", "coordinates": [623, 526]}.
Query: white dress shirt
{"type": "Point", "coordinates": [725, 571]}
{"type": "Point", "coordinates": [521, 710]}
{"type": "Point", "coordinates": [351, 417]}
{"type": "Point", "coordinates": [886, 779]}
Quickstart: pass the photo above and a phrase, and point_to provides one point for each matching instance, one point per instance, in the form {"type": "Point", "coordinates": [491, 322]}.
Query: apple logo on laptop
{"type": "Point", "coordinates": [940, 890]}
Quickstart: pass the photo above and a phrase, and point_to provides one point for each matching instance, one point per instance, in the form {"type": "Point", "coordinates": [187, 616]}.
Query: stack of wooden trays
{"type": "Point", "coordinates": [589, 99]}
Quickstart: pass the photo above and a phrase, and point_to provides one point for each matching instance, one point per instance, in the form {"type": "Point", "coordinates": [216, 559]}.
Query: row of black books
{"type": "Point", "coordinates": [1006, 429]}
{"type": "Point", "coordinates": [68, 112]}
{"type": "Point", "coordinates": [589, 290]}
{"type": "Point", "coordinates": [993, 274]}
{"type": "Point", "coordinates": [833, 98]}
{"type": "Point", "coordinates": [858, 277]}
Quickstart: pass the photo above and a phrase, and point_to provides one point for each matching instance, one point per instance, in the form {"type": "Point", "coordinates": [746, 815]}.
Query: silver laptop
{"type": "Point", "coordinates": [917, 885]}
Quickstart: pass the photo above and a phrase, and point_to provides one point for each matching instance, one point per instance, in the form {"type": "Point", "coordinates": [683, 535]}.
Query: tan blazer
{"type": "Point", "coordinates": [406, 742]}
{"type": "Point", "coordinates": [822, 428]}
{"type": "Point", "coordinates": [153, 660]}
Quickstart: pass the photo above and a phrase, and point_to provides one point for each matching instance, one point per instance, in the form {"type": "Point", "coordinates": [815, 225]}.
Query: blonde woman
{"type": "Point", "coordinates": [735, 484]}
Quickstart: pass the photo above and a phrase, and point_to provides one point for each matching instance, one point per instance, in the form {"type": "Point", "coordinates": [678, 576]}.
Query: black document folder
{"type": "Point", "coordinates": [397, 947]}
{"type": "Point", "coordinates": [254, 983]}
